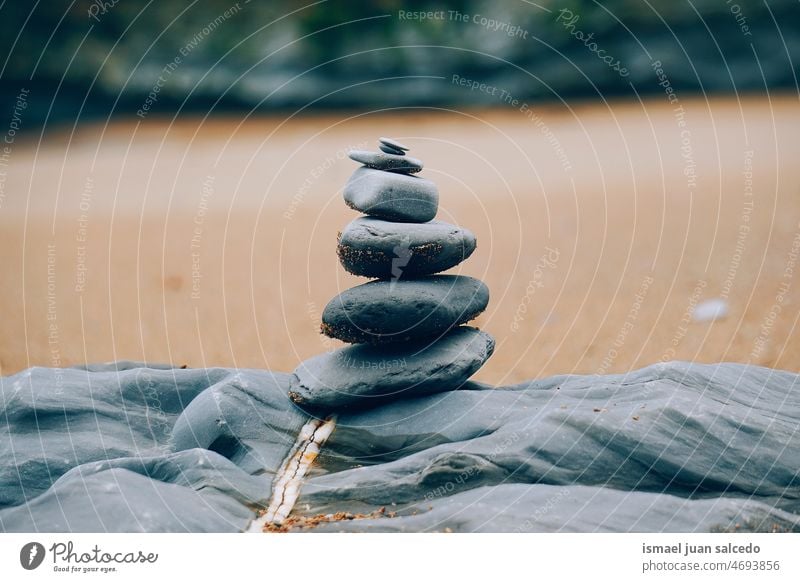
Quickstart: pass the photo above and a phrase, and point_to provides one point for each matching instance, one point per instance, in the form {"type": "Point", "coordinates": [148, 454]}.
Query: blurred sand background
{"type": "Point", "coordinates": [212, 242]}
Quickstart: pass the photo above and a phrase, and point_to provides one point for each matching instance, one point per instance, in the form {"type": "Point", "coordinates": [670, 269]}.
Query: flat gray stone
{"type": "Point", "coordinates": [391, 196]}
{"type": "Point", "coordinates": [389, 311]}
{"type": "Point", "coordinates": [389, 150]}
{"type": "Point", "coordinates": [386, 162]}
{"type": "Point", "coordinates": [372, 247]}
{"type": "Point", "coordinates": [392, 143]}
{"type": "Point", "coordinates": [365, 376]}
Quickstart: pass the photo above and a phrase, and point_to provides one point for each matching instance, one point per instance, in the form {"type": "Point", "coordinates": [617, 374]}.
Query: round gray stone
{"type": "Point", "coordinates": [392, 196]}
{"type": "Point", "coordinates": [387, 162]}
{"type": "Point", "coordinates": [394, 144]}
{"type": "Point", "coordinates": [394, 311]}
{"type": "Point", "coordinates": [363, 376]}
{"type": "Point", "coordinates": [371, 247]}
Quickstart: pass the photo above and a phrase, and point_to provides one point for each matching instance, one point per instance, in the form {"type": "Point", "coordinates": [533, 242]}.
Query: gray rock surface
{"type": "Point", "coordinates": [365, 376]}
{"type": "Point", "coordinates": [672, 447]}
{"type": "Point", "coordinates": [371, 247]}
{"type": "Point", "coordinates": [391, 196]}
{"type": "Point", "coordinates": [190, 491]}
{"type": "Point", "coordinates": [519, 508]}
{"type": "Point", "coordinates": [394, 311]}
{"type": "Point", "coordinates": [688, 430]}
{"type": "Point", "coordinates": [53, 420]}
{"type": "Point", "coordinates": [246, 417]}
{"type": "Point", "coordinates": [386, 162]}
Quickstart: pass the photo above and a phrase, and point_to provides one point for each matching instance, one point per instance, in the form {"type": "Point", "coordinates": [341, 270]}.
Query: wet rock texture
{"type": "Point", "coordinates": [391, 195]}
{"type": "Point", "coordinates": [369, 247]}
{"type": "Point", "coordinates": [672, 447]}
{"type": "Point", "coordinates": [363, 376]}
{"type": "Point", "coordinates": [392, 312]}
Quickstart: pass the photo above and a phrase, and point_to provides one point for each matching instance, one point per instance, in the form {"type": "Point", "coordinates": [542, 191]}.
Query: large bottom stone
{"type": "Point", "coordinates": [364, 376]}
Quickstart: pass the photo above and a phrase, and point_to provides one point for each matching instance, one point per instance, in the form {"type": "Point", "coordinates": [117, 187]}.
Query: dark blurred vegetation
{"type": "Point", "coordinates": [85, 59]}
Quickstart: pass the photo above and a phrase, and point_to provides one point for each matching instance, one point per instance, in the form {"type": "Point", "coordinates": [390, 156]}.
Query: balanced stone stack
{"type": "Point", "coordinates": [407, 325]}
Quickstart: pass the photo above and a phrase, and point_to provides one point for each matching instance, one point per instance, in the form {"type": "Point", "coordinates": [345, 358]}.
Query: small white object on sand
{"type": "Point", "coordinates": [710, 310]}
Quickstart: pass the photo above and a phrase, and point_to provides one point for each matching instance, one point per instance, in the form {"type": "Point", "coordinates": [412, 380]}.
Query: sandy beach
{"type": "Point", "coordinates": [600, 227]}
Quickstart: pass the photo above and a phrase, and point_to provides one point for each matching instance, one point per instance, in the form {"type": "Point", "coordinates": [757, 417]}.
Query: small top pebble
{"type": "Point", "coordinates": [386, 162]}
{"type": "Point", "coordinates": [390, 150]}
{"type": "Point", "coordinates": [392, 144]}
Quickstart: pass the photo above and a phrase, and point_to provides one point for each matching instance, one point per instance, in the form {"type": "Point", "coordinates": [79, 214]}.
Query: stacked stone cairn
{"type": "Point", "coordinates": [406, 325]}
